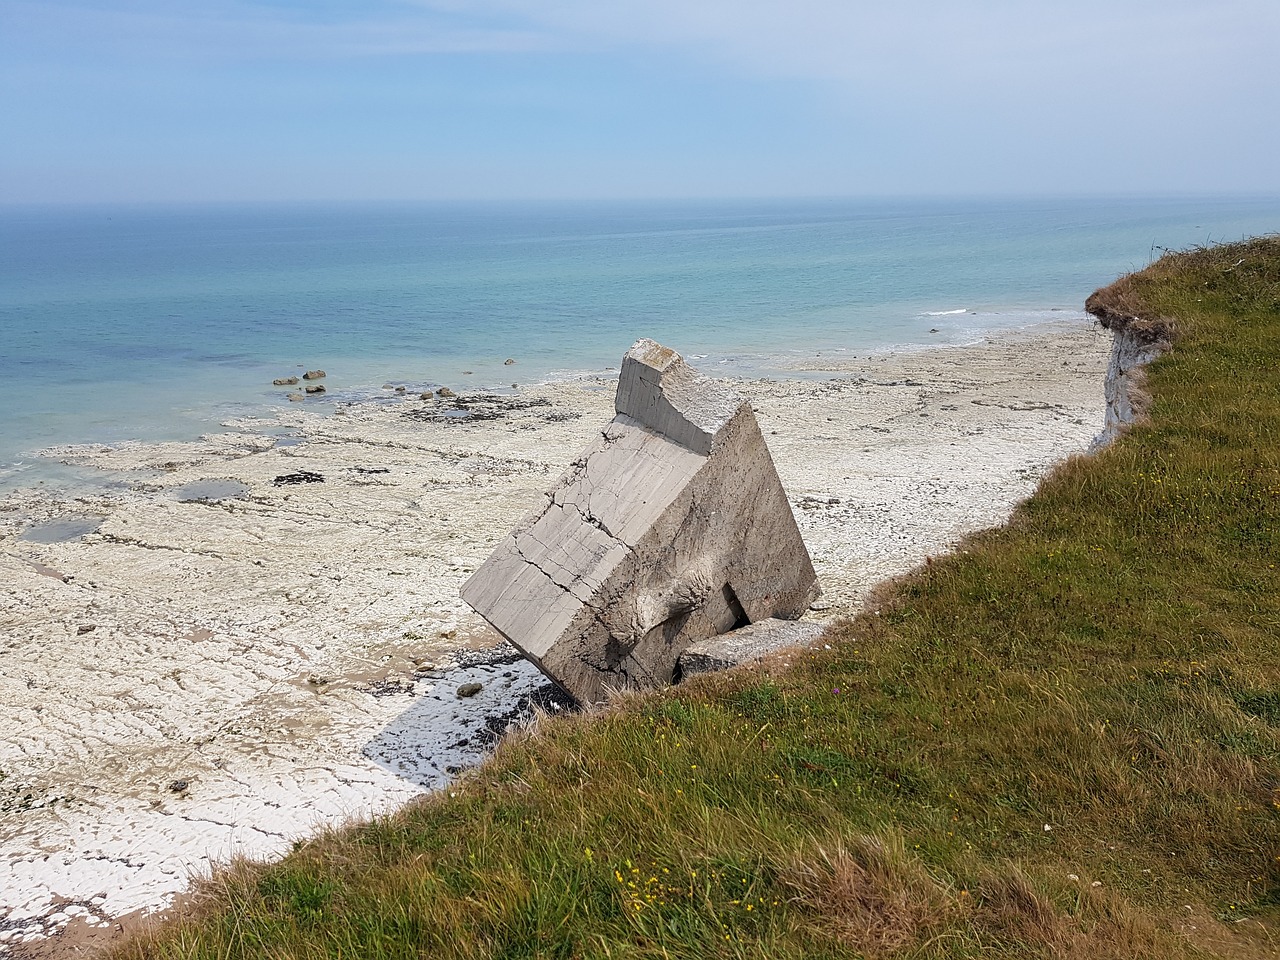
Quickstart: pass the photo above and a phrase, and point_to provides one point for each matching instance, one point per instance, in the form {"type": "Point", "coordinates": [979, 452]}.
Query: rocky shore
{"type": "Point", "coordinates": [258, 633]}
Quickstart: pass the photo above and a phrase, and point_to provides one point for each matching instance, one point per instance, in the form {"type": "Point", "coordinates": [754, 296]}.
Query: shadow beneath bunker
{"type": "Point", "coordinates": [451, 726]}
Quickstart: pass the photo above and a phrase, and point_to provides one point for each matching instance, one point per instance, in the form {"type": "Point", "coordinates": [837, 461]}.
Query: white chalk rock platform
{"type": "Point", "coordinates": [672, 528]}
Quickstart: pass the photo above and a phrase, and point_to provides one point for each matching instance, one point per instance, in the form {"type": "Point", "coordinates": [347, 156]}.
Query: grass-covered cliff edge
{"type": "Point", "coordinates": [1062, 740]}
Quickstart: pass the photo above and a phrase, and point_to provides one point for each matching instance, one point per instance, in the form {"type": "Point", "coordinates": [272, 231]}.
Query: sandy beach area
{"type": "Point", "coordinates": [258, 634]}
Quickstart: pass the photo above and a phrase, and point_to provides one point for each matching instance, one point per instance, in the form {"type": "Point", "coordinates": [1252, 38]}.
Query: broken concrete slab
{"type": "Point", "coordinates": [747, 644]}
{"type": "Point", "coordinates": [671, 528]}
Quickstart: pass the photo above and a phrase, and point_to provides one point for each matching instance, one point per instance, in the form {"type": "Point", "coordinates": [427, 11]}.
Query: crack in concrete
{"type": "Point", "coordinates": [596, 613]}
{"type": "Point", "coordinates": [592, 520]}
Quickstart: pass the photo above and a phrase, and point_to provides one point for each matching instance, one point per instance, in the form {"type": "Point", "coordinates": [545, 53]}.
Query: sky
{"type": "Point", "coordinates": [245, 100]}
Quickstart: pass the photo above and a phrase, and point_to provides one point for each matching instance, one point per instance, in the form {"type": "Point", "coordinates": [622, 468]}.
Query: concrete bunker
{"type": "Point", "coordinates": [672, 528]}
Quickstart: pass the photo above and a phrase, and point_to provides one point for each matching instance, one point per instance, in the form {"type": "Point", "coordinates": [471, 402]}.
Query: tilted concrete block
{"type": "Point", "coordinates": [671, 528]}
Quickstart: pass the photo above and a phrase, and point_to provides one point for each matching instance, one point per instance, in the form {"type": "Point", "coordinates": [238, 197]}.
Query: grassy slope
{"type": "Point", "coordinates": [1090, 695]}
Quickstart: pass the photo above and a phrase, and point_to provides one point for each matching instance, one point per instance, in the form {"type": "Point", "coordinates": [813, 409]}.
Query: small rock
{"type": "Point", "coordinates": [470, 689]}
{"type": "Point", "coordinates": [179, 786]}
{"type": "Point", "coordinates": [515, 386]}
{"type": "Point", "coordinates": [316, 388]}
{"type": "Point", "coordinates": [401, 389]}
{"type": "Point", "coordinates": [85, 628]}
{"type": "Point", "coordinates": [313, 375]}
{"type": "Point", "coordinates": [445, 392]}
{"type": "Point", "coordinates": [284, 381]}
{"type": "Point", "coordinates": [933, 329]}
{"type": "Point", "coordinates": [426, 396]}
{"type": "Point", "coordinates": [388, 386]}
{"type": "Point", "coordinates": [507, 362]}
{"type": "Point", "coordinates": [295, 397]}
{"type": "Point", "coordinates": [317, 681]}
{"type": "Point", "coordinates": [466, 373]}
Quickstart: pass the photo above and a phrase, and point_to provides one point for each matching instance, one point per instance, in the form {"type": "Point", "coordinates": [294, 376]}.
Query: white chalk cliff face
{"type": "Point", "coordinates": [671, 528]}
{"type": "Point", "coordinates": [1134, 344]}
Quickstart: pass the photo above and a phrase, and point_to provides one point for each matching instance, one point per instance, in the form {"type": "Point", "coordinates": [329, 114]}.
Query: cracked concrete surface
{"type": "Point", "coordinates": [288, 653]}
{"type": "Point", "coordinates": [672, 528]}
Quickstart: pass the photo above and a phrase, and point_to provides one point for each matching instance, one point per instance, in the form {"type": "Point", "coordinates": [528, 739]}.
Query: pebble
{"type": "Point", "coordinates": [470, 689]}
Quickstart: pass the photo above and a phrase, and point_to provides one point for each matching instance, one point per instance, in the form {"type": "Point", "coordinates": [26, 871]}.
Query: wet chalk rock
{"type": "Point", "coordinates": [673, 527]}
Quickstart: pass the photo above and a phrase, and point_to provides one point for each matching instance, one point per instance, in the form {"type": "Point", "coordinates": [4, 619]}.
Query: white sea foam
{"type": "Point", "coordinates": [944, 313]}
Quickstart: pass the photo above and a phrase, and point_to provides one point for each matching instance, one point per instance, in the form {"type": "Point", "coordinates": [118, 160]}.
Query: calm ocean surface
{"type": "Point", "coordinates": [156, 323]}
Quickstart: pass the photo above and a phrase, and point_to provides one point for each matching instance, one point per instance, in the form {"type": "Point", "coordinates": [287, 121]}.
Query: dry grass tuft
{"type": "Point", "coordinates": [868, 895]}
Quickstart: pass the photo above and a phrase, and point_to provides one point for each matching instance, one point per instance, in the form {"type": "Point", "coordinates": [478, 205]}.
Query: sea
{"type": "Point", "coordinates": [162, 322]}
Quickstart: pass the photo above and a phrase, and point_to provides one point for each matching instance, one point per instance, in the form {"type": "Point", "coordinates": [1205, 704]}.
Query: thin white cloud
{"type": "Point", "coordinates": [913, 43]}
{"type": "Point", "coordinates": [941, 48]}
{"type": "Point", "coordinates": [251, 30]}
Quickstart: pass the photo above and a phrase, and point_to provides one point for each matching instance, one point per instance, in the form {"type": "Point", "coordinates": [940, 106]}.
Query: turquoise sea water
{"type": "Point", "coordinates": [157, 322]}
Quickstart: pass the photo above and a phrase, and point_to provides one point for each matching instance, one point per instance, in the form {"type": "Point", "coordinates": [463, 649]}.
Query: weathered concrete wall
{"type": "Point", "coordinates": [673, 527]}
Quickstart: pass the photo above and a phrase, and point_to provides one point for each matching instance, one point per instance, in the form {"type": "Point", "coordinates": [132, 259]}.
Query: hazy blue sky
{"type": "Point", "coordinates": [323, 99]}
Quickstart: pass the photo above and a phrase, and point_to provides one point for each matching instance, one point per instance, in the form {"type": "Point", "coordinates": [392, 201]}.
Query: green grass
{"type": "Point", "coordinates": [1088, 695]}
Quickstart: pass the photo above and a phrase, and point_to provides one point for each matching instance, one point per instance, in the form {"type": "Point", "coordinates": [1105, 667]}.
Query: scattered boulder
{"type": "Point", "coordinates": [466, 373]}
{"type": "Point", "coordinates": [178, 786]}
{"type": "Point", "coordinates": [85, 628]}
{"type": "Point", "coordinates": [470, 689]}
{"type": "Point", "coordinates": [402, 389]}
{"type": "Point", "coordinates": [426, 396]}
{"type": "Point", "coordinates": [313, 375]}
{"type": "Point", "coordinates": [445, 392]}
{"type": "Point", "coordinates": [672, 528]}
{"type": "Point", "coordinates": [284, 382]}
{"type": "Point", "coordinates": [295, 397]}
{"type": "Point", "coordinates": [315, 388]}
{"type": "Point", "coordinates": [508, 362]}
